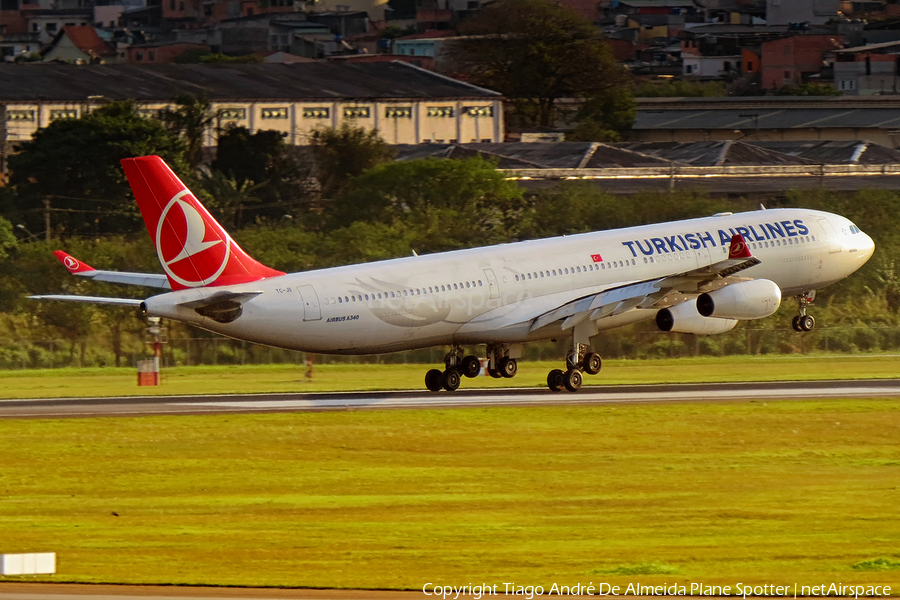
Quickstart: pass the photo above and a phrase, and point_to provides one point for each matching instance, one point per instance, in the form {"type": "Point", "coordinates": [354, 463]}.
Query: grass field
{"type": "Point", "coordinates": [751, 492]}
{"type": "Point", "coordinates": [345, 377]}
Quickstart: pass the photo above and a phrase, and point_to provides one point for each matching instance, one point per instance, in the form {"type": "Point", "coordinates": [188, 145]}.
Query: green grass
{"type": "Point", "coordinates": [752, 492]}
{"type": "Point", "coordinates": [345, 377]}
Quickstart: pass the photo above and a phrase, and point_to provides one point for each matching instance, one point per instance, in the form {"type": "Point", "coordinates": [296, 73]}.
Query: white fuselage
{"type": "Point", "coordinates": [485, 295]}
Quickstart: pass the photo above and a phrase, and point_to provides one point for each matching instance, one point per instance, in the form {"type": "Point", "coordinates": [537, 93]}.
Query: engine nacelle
{"type": "Point", "coordinates": [744, 301]}
{"type": "Point", "coordinates": [684, 318]}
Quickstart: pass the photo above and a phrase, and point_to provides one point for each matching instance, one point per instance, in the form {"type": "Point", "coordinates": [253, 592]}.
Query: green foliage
{"type": "Point", "coordinates": [604, 118]}
{"type": "Point", "coordinates": [579, 206]}
{"type": "Point", "coordinates": [878, 564]}
{"type": "Point", "coordinates": [808, 89]}
{"type": "Point", "coordinates": [73, 165]}
{"type": "Point", "coordinates": [7, 239]}
{"type": "Point", "coordinates": [343, 153]}
{"type": "Point", "coordinates": [392, 31]}
{"type": "Point", "coordinates": [190, 120]}
{"type": "Point", "coordinates": [680, 89]}
{"type": "Point", "coordinates": [256, 177]}
{"type": "Point", "coordinates": [644, 568]}
{"type": "Point", "coordinates": [442, 204]}
{"type": "Point", "coordinates": [536, 52]}
{"type": "Point", "coordinates": [245, 157]}
{"type": "Point", "coordinates": [190, 56]}
{"type": "Point", "coordinates": [247, 59]}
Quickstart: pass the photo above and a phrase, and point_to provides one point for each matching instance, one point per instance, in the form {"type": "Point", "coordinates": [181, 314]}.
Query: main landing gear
{"type": "Point", "coordinates": [580, 360]}
{"type": "Point", "coordinates": [803, 321]}
{"type": "Point", "coordinates": [500, 364]}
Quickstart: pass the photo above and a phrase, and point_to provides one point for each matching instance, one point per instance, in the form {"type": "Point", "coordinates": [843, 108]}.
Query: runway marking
{"type": "Point", "coordinates": [386, 400]}
{"type": "Point", "coordinates": [581, 397]}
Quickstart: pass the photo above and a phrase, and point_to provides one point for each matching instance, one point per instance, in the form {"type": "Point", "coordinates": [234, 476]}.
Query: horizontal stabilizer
{"type": "Point", "coordinates": [81, 268]}
{"type": "Point", "coordinates": [90, 299]}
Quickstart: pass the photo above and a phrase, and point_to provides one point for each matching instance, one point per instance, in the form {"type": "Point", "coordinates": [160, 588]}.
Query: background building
{"type": "Point", "coordinates": [406, 104]}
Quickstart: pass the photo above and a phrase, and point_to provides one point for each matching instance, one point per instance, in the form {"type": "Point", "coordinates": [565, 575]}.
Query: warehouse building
{"type": "Point", "coordinates": [406, 104]}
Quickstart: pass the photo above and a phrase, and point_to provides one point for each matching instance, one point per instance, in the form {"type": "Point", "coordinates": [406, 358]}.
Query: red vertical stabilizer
{"type": "Point", "coordinates": [194, 250]}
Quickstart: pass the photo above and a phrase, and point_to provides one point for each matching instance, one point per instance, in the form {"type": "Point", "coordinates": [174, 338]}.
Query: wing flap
{"type": "Point", "coordinates": [657, 293]}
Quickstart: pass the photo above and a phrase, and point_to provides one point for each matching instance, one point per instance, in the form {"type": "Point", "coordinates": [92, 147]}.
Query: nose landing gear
{"type": "Point", "coordinates": [803, 321]}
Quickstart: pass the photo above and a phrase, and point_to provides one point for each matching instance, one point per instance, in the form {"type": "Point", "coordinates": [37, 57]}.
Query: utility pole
{"type": "Point", "coordinates": [47, 235]}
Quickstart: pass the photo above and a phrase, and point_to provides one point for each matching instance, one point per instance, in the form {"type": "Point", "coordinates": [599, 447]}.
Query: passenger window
{"type": "Point", "coordinates": [339, 299]}
{"type": "Point", "coordinates": [467, 285]}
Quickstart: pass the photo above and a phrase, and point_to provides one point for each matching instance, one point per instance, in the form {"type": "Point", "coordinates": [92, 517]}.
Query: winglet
{"type": "Point", "coordinates": [72, 264]}
{"type": "Point", "coordinates": [739, 248]}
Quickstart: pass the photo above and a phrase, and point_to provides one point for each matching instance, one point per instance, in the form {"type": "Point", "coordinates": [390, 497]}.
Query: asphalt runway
{"type": "Point", "coordinates": [622, 394]}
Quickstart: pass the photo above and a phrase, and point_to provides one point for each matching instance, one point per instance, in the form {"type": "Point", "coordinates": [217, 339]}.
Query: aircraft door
{"type": "Point", "coordinates": [834, 245]}
{"type": "Point", "coordinates": [492, 283]}
{"type": "Point", "coordinates": [310, 300]}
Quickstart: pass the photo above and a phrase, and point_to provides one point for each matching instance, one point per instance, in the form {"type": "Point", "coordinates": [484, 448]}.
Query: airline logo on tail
{"type": "Point", "coordinates": [181, 235]}
{"type": "Point", "coordinates": [192, 247]}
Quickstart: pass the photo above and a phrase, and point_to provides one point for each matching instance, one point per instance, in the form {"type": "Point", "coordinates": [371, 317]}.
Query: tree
{"type": "Point", "coordinates": [191, 120]}
{"type": "Point", "coordinates": [603, 118]}
{"type": "Point", "coordinates": [246, 156]}
{"type": "Point", "coordinates": [437, 204]}
{"type": "Point", "coordinates": [680, 89]}
{"type": "Point", "coordinates": [536, 53]}
{"type": "Point", "coordinates": [271, 175]}
{"type": "Point", "coordinates": [344, 153]}
{"type": "Point", "coordinates": [68, 174]}
{"type": "Point", "coordinates": [809, 88]}
{"type": "Point", "coordinates": [7, 239]}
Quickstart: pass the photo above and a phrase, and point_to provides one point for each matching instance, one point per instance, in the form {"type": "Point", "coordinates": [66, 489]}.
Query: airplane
{"type": "Point", "coordinates": [698, 276]}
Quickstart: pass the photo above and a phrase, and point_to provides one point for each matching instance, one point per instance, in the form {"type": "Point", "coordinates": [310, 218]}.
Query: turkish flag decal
{"type": "Point", "coordinates": [596, 258]}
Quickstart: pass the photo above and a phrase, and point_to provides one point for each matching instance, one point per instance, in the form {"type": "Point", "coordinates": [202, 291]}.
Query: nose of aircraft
{"type": "Point", "coordinates": [866, 247]}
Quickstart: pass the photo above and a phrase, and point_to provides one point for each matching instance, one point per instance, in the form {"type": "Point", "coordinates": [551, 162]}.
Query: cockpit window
{"type": "Point", "coordinates": [854, 229]}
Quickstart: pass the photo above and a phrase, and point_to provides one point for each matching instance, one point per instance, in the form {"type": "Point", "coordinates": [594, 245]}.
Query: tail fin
{"type": "Point", "coordinates": [192, 247]}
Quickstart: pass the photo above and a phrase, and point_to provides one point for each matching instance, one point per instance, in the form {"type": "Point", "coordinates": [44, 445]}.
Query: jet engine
{"type": "Point", "coordinates": [684, 318]}
{"type": "Point", "coordinates": [744, 301]}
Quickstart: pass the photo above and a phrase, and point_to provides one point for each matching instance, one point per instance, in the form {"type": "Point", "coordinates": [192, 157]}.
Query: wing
{"type": "Point", "coordinates": [81, 268]}
{"type": "Point", "coordinates": [563, 312]}
{"type": "Point", "coordinates": [656, 294]}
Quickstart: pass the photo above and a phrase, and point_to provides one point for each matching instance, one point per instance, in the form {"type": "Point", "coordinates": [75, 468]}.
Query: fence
{"type": "Point", "coordinates": [634, 342]}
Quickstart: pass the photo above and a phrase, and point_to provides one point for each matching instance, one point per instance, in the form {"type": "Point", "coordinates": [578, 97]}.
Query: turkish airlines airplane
{"type": "Point", "coordinates": [696, 276]}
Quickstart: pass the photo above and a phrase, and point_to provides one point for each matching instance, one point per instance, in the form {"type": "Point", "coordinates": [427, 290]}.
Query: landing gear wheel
{"type": "Point", "coordinates": [451, 380]}
{"type": "Point", "coordinates": [494, 373]}
{"type": "Point", "coordinates": [807, 322]}
{"type": "Point", "coordinates": [555, 380]}
{"type": "Point", "coordinates": [433, 380]}
{"type": "Point", "coordinates": [470, 366]}
{"type": "Point", "coordinates": [795, 323]}
{"type": "Point", "coordinates": [508, 367]}
{"type": "Point", "coordinates": [592, 363]}
{"type": "Point", "coordinates": [572, 379]}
